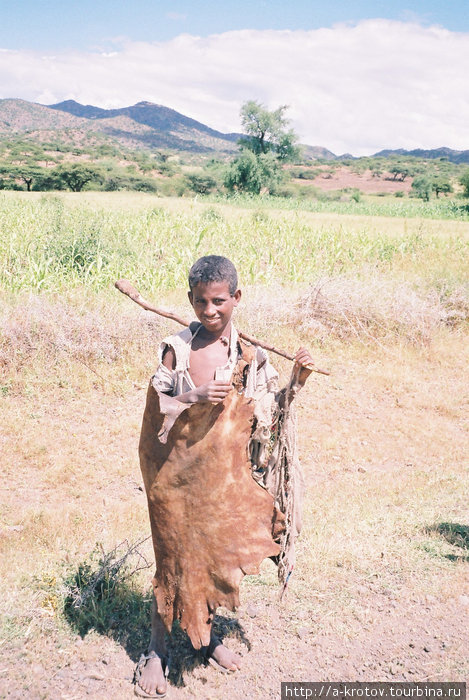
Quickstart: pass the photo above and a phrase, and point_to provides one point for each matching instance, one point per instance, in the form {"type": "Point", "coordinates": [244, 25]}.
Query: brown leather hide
{"type": "Point", "coordinates": [211, 522]}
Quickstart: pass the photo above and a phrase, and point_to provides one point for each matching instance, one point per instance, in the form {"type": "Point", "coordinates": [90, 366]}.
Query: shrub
{"type": "Point", "coordinates": [200, 183]}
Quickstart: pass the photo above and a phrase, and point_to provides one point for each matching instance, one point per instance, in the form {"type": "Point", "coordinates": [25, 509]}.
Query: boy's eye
{"type": "Point", "coordinates": [215, 301]}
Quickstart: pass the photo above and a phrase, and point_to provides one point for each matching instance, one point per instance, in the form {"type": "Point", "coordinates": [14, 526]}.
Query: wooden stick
{"type": "Point", "coordinates": [127, 288]}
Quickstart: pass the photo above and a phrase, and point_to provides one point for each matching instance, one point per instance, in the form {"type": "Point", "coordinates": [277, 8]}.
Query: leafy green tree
{"type": "Point", "coordinates": [441, 185]}
{"type": "Point", "coordinates": [76, 176]}
{"type": "Point", "coordinates": [25, 173]}
{"type": "Point", "coordinates": [201, 183]}
{"type": "Point", "coordinates": [48, 180]}
{"type": "Point", "coordinates": [252, 173]}
{"type": "Point", "coordinates": [423, 187]}
{"type": "Point", "coordinates": [267, 131]}
{"type": "Point", "coordinates": [402, 170]}
{"type": "Point", "coordinates": [267, 144]}
{"type": "Point", "coordinates": [118, 181]}
{"type": "Point", "coordinates": [464, 180]}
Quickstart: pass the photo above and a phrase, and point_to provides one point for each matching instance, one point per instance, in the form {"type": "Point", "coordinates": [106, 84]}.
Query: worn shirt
{"type": "Point", "coordinates": [262, 377]}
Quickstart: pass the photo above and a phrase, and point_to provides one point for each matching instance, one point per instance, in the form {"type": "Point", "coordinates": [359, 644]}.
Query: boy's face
{"type": "Point", "coordinates": [213, 304]}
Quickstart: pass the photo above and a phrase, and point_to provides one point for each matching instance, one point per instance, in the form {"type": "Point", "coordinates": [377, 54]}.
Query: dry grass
{"type": "Point", "coordinates": [379, 307]}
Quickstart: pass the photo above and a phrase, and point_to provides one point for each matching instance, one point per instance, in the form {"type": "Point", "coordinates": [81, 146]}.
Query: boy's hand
{"type": "Point", "coordinates": [214, 391]}
{"type": "Point", "coordinates": [302, 360]}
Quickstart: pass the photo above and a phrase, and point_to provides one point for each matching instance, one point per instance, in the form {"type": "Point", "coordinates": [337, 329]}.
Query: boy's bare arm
{"type": "Point", "coordinates": [302, 360]}
{"type": "Point", "coordinates": [213, 391]}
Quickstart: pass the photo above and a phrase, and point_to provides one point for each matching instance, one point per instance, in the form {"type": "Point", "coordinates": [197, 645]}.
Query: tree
{"type": "Point", "coordinates": [464, 180]}
{"type": "Point", "coordinates": [252, 173]}
{"type": "Point", "coordinates": [441, 185]}
{"type": "Point", "coordinates": [24, 172]}
{"type": "Point", "coordinates": [267, 131]}
{"type": "Point", "coordinates": [76, 176]}
{"type": "Point", "coordinates": [402, 170]}
{"type": "Point", "coordinates": [267, 144]}
{"type": "Point", "coordinates": [201, 182]}
{"type": "Point", "coordinates": [422, 187]}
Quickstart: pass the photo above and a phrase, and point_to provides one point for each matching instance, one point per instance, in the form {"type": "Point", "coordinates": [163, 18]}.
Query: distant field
{"type": "Point", "coordinates": [57, 242]}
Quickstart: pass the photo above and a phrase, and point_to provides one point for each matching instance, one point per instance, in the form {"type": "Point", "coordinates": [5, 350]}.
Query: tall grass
{"type": "Point", "coordinates": [47, 245]}
{"type": "Point", "coordinates": [449, 209]}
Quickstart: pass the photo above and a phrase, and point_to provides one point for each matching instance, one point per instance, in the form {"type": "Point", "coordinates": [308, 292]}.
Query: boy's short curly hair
{"type": "Point", "coordinates": [214, 268]}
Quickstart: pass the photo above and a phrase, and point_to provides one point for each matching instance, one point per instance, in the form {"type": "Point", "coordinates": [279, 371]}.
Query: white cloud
{"type": "Point", "coordinates": [357, 88]}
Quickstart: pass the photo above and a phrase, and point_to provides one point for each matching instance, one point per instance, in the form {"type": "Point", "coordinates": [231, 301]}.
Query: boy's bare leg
{"type": "Point", "coordinates": [152, 679]}
{"type": "Point", "coordinates": [222, 655]}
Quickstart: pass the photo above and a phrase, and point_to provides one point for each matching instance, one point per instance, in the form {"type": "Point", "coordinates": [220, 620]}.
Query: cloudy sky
{"type": "Point", "coordinates": [358, 76]}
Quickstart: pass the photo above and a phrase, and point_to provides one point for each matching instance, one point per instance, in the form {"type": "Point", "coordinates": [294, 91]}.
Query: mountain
{"type": "Point", "coordinates": [446, 153]}
{"type": "Point", "coordinates": [144, 125]}
{"type": "Point", "coordinates": [148, 113]}
{"type": "Point", "coordinates": [315, 152]}
{"type": "Point", "coordinates": [149, 126]}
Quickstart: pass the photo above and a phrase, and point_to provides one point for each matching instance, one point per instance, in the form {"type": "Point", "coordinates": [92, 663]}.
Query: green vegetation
{"type": "Point", "coordinates": [267, 132]}
{"type": "Point", "coordinates": [252, 173]}
{"type": "Point", "coordinates": [267, 144]}
{"type": "Point", "coordinates": [464, 181]}
{"type": "Point", "coordinates": [369, 206]}
{"type": "Point", "coordinates": [48, 243]}
{"type": "Point", "coordinates": [268, 163]}
{"type": "Point", "coordinates": [423, 186]}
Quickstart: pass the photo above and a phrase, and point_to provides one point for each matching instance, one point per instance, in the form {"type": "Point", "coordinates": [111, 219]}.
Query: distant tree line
{"type": "Point", "coordinates": [269, 159]}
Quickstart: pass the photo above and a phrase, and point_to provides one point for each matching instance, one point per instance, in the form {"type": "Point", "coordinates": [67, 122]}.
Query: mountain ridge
{"type": "Point", "coordinates": [144, 112]}
{"type": "Point", "coordinates": [148, 125]}
{"type": "Point", "coordinates": [451, 154]}
{"type": "Point", "coordinates": [143, 125]}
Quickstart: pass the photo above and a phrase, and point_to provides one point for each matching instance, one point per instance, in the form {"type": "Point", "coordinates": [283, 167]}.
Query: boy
{"type": "Point", "coordinates": [196, 366]}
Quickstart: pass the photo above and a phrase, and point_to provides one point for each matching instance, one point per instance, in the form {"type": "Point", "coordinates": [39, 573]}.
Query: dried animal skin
{"type": "Point", "coordinates": [211, 522]}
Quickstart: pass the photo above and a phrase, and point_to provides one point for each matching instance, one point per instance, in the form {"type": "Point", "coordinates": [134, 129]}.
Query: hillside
{"type": "Point", "coordinates": [144, 125]}
{"type": "Point", "coordinates": [19, 116]}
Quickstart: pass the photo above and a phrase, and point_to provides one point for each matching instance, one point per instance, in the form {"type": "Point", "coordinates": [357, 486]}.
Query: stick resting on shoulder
{"type": "Point", "coordinates": [127, 288]}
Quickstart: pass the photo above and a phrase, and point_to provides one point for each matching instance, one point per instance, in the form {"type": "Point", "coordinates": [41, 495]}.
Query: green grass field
{"type": "Point", "coordinates": [57, 242]}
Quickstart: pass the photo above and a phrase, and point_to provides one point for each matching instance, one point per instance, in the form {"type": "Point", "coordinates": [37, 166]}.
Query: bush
{"type": "Point", "coordinates": [125, 182]}
{"type": "Point", "coordinates": [464, 181]}
{"type": "Point", "coordinates": [422, 187]}
{"type": "Point", "coordinates": [304, 173]}
{"type": "Point", "coordinates": [252, 173]}
{"type": "Point", "coordinates": [200, 183]}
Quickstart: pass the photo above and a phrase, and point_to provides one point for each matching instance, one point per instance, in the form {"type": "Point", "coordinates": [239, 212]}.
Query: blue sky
{"type": "Point", "coordinates": [357, 76]}
{"type": "Point", "coordinates": [87, 24]}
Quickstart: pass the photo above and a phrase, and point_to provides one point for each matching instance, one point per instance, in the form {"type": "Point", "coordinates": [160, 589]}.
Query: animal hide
{"type": "Point", "coordinates": [211, 522]}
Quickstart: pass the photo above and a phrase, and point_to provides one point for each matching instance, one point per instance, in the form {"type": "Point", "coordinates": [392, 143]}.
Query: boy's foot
{"type": "Point", "coordinates": [150, 677]}
{"type": "Point", "coordinates": [223, 658]}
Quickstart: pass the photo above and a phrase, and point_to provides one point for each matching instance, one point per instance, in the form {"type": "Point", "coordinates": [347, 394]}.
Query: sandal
{"type": "Point", "coordinates": [138, 674]}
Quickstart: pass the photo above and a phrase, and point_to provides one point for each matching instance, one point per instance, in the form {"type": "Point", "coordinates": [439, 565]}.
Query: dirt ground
{"type": "Point", "coordinates": [340, 178]}
{"type": "Point", "coordinates": [381, 590]}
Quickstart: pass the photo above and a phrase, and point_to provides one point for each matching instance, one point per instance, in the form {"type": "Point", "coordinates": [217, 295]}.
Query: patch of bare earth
{"type": "Point", "coordinates": [341, 178]}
